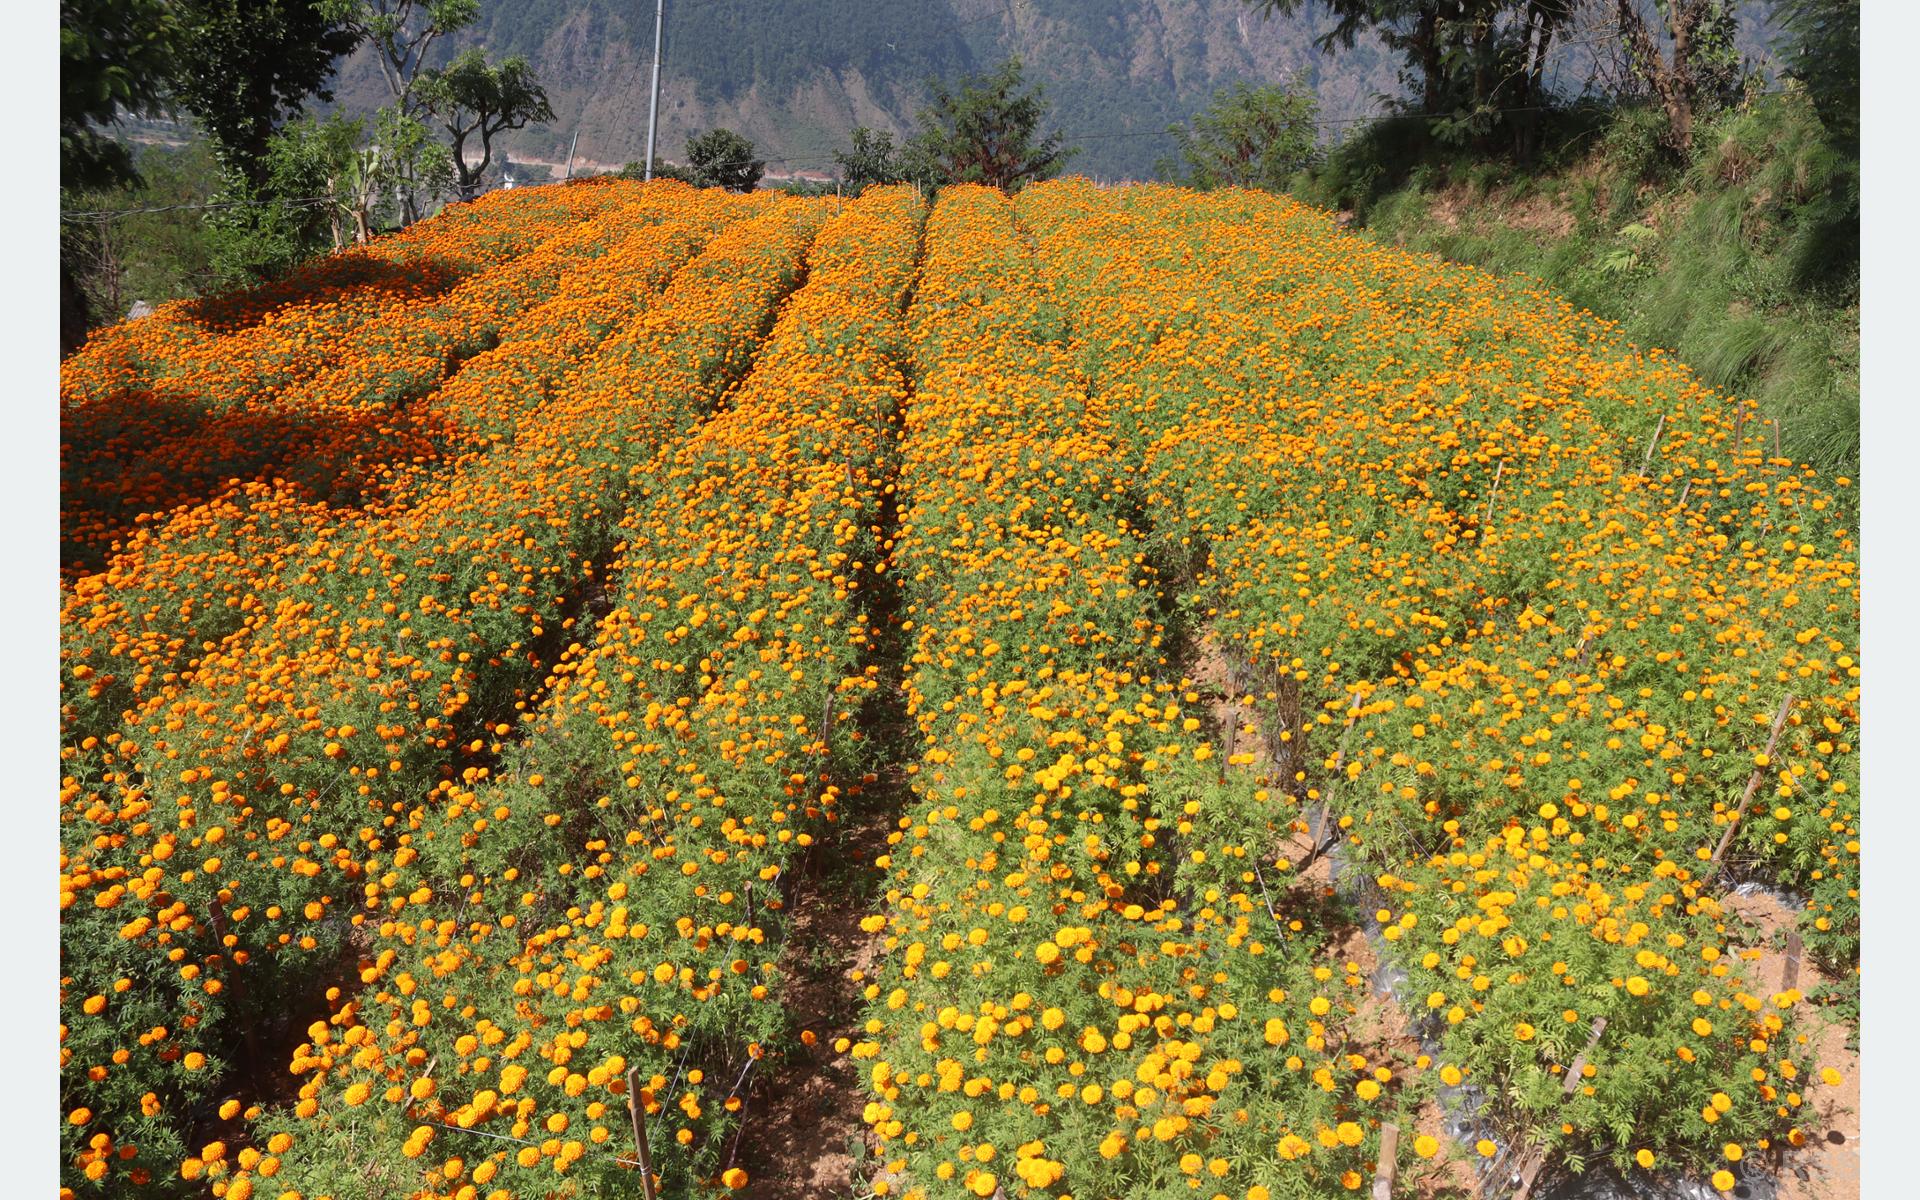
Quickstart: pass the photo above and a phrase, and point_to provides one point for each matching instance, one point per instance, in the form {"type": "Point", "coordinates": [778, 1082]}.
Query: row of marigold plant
{"type": "Point", "coordinates": [153, 416]}
{"type": "Point", "coordinates": [198, 577]}
{"type": "Point", "coordinates": [216, 847]}
{"type": "Point", "coordinates": [1086, 989]}
{"type": "Point", "coordinates": [609, 911]}
{"type": "Point", "coordinates": [1520, 606]}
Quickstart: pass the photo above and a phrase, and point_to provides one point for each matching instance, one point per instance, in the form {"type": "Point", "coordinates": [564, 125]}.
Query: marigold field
{"type": "Point", "coordinates": [1242, 630]}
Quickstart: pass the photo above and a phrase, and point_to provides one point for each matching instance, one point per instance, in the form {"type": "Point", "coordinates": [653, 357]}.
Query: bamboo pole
{"type": "Point", "coordinates": [1658, 429]}
{"type": "Point", "coordinates": [1384, 1168]}
{"type": "Point", "coordinates": [636, 1113]}
{"type": "Point", "coordinates": [1753, 785]}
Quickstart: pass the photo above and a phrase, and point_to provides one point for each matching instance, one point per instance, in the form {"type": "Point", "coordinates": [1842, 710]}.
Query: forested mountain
{"type": "Point", "coordinates": [796, 75]}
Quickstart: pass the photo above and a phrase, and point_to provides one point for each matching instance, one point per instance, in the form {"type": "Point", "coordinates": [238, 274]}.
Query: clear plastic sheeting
{"type": "Point", "coordinates": [1602, 1182]}
{"type": "Point", "coordinates": [1462, 1105]}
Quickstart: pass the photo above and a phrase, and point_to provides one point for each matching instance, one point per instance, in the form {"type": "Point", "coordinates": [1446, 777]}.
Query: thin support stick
{"type": "Point", "coordinates": [1383, 1169]}
{"type": "Point", "coordinates": [1753, 785]}
{"type": "Point", "coordinates": [636, 1111]}
{"type": "Point", "coordinates": [1655, 441]}
{"type": "Point", "coordinates": [1326, 800]}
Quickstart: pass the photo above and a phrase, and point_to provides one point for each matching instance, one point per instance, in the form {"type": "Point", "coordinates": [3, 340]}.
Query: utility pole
{"type": "Point", "coordinates": [653, 107]}
{"type": "Point", "coordinates": [575, 145]}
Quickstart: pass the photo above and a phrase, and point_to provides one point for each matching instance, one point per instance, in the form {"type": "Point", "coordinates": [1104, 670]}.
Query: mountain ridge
{"type": "Point", "coordinates": [796, 76]}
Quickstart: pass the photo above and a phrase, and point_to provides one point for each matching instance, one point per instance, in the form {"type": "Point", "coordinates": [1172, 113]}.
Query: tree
{"type": "Point", "coordinates": [244, 67]}
{"type": "Point", "coordinates": [872, 160]}
{"type": "Point", "coordinates": [303, 205]}
{"type": "Point", "coordinates": [115, 57]}
{"type": "Point", "coordinates": [662, 169]}
{"type": "Point", "coordinates": [1701, 64]}
{"type": "Point", "coordinates": [400, 32]}
{"type": "Point", "coordinates": [986, 132]}
{"type": "Point", "coordinates": [139, 255]}
{"type": "Point", "coordinates": [1250, 137]}
{"type": "Point", "coordinates": [722, 158]}
{"type": "Point", "coordinates": [471, 96]}
{"type": "Point", "coordinates": [1473, 64]}
{"type": "Point", "coordinates": [1820, 42]}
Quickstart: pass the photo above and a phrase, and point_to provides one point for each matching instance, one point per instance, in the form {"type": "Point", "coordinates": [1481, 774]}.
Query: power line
{"type": "Point", "coordinates": [90, 214]}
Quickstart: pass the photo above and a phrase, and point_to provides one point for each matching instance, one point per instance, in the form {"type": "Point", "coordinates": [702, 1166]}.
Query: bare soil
{"type": "Point", "coordinates": [803, 1122]}
{"type": "Point", "coordinates": [1379, 1029]}
{"type": "Point", "coordinates": [1828, 1166]}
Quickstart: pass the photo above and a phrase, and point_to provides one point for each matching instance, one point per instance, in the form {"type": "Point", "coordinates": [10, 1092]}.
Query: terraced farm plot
{"type": "Point", "coordinates": [1331, 713]}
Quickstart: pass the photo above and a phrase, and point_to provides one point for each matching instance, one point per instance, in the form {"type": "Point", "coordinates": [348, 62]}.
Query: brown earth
{"type": "Point", "coordinates": [1828, 1166]}
{"type": "Point", "coordinates": [1379, 1028]}
{"type": "Point", "coordinates": [804, 1120]}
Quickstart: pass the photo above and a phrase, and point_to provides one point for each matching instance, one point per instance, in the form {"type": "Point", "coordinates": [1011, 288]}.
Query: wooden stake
{"type": "Point", "coordinates": [1340, 759]}
{"type": "Point", "coordinates": [1383, 1170]}
{"type": "Point", "coordinates": [1790, 975]}
{"type": "Point", "coordinates": [1535, 1159]}
{"type": "Point", "coordinates": [1683, 493]}
{"type": "Point", "coordinates": [1658, 429]}
{"type": "Point", "coordinates": [1492, 492]}
{"type": "Point", "coordinates": [636, 1112]}
{"type": "Point", "coordinates": [1753, 785]}
{"type": "Point", "coordinates": [1580, 1060]}
{"type": "Point", "coordinates": [1529, 1173]}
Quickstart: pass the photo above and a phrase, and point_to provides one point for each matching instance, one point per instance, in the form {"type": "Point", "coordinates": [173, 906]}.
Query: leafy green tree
{"type": "Point", "coordinates": [472, 97]}
{"type": "Point", "coordinates": [986, 132]}
{"type": "Point", "coordinates": [115, 56]}
{"type": "Point", "coordinates": [1249, 137]}
{"type": "Point", "coordinates": [662, 169]}
{"type": "Point", "coordinates": [1820, 43]}
{"type": "Point", "coordinates": [130, 254]}
{"type": "Point", "coordinates": [872, 160]}
{"type": "Point", "coordinates": [400, 34]}
{"type": "Point", "coordinates": [1473, 64]}
{"type": "Point", "coordinates": [302, 206]}
{"type": "Point", "coordinates": [244, 67]}
{"type": "Point", "coordinates": [1700, 65]}
{"type": "Point", "coordinates": [722, 158]}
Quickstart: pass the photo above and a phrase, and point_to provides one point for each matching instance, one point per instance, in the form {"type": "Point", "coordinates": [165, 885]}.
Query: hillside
{"type": "Point", "coordinates": [1099, 692]}
{"type": "Point", "coordinates": [796, 76]}
{"type": "Point", "coordinates": [1744, 261]}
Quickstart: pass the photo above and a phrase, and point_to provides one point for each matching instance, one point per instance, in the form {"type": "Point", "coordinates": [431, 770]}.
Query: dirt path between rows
{"type": "Point", "coordinates": [1378, 1028]}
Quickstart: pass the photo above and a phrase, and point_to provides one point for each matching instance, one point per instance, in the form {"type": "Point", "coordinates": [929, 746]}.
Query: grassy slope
{"type": "Point", "coordinates": [1745, 261]}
